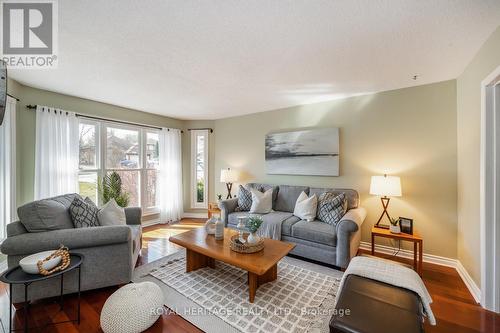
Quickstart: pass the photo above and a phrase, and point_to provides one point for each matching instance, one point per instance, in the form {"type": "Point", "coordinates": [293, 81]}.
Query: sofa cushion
{"type": "Point", "coordinates": [315, 231]}
{"type": "Point", "coordinates": [111, 214]}
{"type": "Point", "coordinates": [287, 197]}
{"type": "Point", "coordinates": [244, 199]}
{"type": "Point", "coordinates": [47, 214]}
{"type": "Point", "coordinates": [286, 226]}
{"type": "Point", "coordinates": [352, 196]}
{"type": "Point", "coordinates": [265, 187]}
{"type": "Point", "coordinates": [262, 203]}
{"type": "Point", "coordinates": [84, 213]}
{"type": "Point", "coordinates": [331, 207]}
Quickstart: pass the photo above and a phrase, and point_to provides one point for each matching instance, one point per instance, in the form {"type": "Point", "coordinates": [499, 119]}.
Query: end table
{"type": "Point", "coordinates": [213, 208]}
{"type": "Point", "coordinates": [16, 275]}
{"type": "Point", "coordinates": [418, 244]}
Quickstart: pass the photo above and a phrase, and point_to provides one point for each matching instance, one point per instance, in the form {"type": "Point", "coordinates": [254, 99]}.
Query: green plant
{"type": "Point", "coordinates": [200, 188]}
{"type": "Point", "coordinates": [219, 196]}
{"type": "Point", "coordinates": [254, 223]}
{"type": "Point", "coordinates": [110, 187]}
{"type": "Point", "coordinates": [394, 221]}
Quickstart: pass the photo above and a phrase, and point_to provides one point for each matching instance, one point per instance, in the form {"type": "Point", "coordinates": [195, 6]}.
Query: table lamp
{"type": "Point", "coordinates": [228, 176]}
{"type": "Point", "coordinates": [385, 187]}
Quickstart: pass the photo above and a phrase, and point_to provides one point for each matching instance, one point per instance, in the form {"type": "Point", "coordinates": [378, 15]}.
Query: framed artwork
{"type": "Point", "coordinates": [312, 152]}
{"type": "Point", "coordinates": [406, 225]}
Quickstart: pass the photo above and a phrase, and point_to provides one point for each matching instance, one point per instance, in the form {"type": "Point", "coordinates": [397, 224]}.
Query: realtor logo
{"type": "Point", "coordinates": [29, 33]}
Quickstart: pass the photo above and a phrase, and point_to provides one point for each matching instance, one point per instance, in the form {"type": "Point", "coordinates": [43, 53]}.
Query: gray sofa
{"type": "Point", "coordinates": [111, 252]}
{"type": "Point", "coordinates": [314, 240]}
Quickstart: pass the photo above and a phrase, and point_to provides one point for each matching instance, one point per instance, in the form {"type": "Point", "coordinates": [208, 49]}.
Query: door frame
{"type": "Point", "coordinates": [490, 192]}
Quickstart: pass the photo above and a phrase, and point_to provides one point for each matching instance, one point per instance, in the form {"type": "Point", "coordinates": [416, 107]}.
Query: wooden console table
{"type": "Point", "coordinates": [417, 241]}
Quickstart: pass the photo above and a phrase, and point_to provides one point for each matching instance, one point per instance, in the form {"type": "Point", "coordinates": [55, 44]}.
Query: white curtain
{"type": "Point", "coordinates": [56, 152]}
{"type": "Point", "coordinates": [170, 175]}
{"type": "Point", "coordinates": [8, 167]}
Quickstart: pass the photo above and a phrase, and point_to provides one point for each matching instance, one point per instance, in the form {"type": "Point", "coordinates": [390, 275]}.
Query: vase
{"type": "Point", "coordinates": [253, 238]}
{"type": "Point", "coordinates": [241, 228]}
{"type": "Point", "coordinates": [395, 229]}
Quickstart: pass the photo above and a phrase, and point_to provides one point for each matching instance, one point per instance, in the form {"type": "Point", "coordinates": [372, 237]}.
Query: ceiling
{"type": "Point", "coordinates": [214, 59]}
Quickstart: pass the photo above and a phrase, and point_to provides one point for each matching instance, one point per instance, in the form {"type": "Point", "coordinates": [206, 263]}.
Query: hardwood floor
{"type": "Point", "coordinates": [453, 306]}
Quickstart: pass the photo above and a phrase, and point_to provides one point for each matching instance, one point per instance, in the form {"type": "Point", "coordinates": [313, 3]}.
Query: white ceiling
{"type": "Point", "coordinates": [213, 59]}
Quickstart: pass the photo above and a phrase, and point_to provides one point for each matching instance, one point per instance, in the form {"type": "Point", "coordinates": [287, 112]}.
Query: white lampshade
{"type": "Point", "coordinates": [389, 186]}
{"type": "Point", "coordinates": [228, 176]}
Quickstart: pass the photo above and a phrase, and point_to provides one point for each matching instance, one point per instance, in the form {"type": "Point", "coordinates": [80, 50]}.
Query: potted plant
{"type": "Point", "coordinates": [394, 227]}
{"type": "Point", "coordinates": [110, 187]}
{"type": "Point", "coordinates": [219, 197]}
{"type": "Point", "coordinates": [253, 224]}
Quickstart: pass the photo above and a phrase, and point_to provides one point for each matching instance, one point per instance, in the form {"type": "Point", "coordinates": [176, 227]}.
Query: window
{"type": "Point", "coordinates": [131, 151]}
{"type": "Point", "coordinates": [199, 169]}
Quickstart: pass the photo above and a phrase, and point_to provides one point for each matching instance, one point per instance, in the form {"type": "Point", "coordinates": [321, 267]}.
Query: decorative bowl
{"type": "Point", "coordinates": [28, 264]}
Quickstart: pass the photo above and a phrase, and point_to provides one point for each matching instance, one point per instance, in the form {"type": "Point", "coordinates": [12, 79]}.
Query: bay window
{"type": "Point", "coordinates": [131, 151]}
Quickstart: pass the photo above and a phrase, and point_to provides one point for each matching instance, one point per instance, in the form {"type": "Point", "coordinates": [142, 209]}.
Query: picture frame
{"type": "Point", "coordinates": [406, 225]}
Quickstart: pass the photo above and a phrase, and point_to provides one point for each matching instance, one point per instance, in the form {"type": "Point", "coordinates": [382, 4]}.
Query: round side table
{"type": "Point", "coordinates": [16, 275]}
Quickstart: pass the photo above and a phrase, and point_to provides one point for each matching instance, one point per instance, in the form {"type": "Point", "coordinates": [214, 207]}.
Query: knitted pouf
{"type": "Point", "coordinates": [132, 308]}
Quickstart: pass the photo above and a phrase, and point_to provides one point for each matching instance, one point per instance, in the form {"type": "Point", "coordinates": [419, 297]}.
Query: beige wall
{"type": "Point", "coordinates": [468, 134]}
{"type": "Point", "coordinates": [408, 132]}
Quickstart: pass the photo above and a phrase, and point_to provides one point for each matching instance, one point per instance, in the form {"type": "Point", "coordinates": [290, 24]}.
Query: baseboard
{"type": "Point", "coordinates": [149, 223]}
{"type": "Point", "coordinates": [469, 282]}
{"type": "Point", "coordinates": [194, 215]}
{"type": "Point", "coordinates": [433, 259]}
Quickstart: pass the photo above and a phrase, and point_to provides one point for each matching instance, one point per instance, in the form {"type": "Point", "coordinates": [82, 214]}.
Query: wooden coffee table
{"type": "Point", "coordinates": [203, 250]}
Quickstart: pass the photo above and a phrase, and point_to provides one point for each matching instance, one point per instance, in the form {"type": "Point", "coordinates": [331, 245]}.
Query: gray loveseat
{"type": "Point", "coordinates": [316, 240]}
{"type": "Point", "coordinates": [110, 252]}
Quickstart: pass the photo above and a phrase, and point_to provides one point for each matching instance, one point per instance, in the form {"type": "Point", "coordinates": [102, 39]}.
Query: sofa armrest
{"type": "Point", "coordinates": [34, 242]}
{"type": "Point", "coordinates": [133, 215]}
{"type": "Point", "coordinates": [349, 235]}
{"type": "Point", "coordinates": [227, 207]}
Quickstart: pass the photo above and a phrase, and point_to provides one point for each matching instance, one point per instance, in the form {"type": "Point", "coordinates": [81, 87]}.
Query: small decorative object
{"type": "Point", "coordinates": [245, 247]}
{"type": "Point", "coordinates": [110, 187]}
{"type": "Point", "coordinates": [406, 225]}
{"type": "Point", "coordinates": [253, 224]}
{"type": "Point", "coordinates": [210, 225]}
{"type": "Point", "coordinates": [228, 176]}
{"type": "Point", "coordinates": [385, 187]}
{"type": "Point", "coordinates": [133, 308]}
{"type": "Point", "coordinates": [313, 152]}
{"type": "Point", "coordinates": [394, 227]}
{"type": "Point", "coordinates": [219, 197]}
{"type": "Point", "coordinates": [47, 262]}
{"type": "Point", "coordinates": [241, 228]}
{"type": "Point", "coordinates": [219, 229]}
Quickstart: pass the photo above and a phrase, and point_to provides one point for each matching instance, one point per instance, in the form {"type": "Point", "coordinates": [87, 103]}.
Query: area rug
{"type": "Point", "coordinates": [216, 300]}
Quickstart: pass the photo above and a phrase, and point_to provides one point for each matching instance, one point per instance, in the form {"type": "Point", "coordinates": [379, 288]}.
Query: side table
{"type": "Point", "coordinates": [16, 275]}
{"type": "Point", "coordinates": [418, 244]}
{"type": "Point", "coordinates": [213, 208]}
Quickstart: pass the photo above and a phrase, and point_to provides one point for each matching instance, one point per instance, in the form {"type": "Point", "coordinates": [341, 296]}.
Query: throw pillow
{"type": "Point", "coordinates": [305, 207]}
{"type": "Point", "coordinates": [244, 199]}
{"type": "Point", "coordinates": [111, 214]}
{"type": "Point", "coordinates": [84, 213]}
{"type": "Point", "coordinates": [262, 203]}
{"type": "Point", "coordinates": [331, 207]}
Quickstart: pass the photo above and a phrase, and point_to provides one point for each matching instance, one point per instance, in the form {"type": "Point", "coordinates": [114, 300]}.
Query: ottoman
{"type": "Point", "coordinates": [132, 308]}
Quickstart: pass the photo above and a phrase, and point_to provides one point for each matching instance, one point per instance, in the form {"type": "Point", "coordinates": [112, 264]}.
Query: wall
{"type": "Point", "coordinates": [408, 132]}
{"type": "Point", "coordinates": [468, 133]}
{"type": "Point", "coordinates": [26, 126]}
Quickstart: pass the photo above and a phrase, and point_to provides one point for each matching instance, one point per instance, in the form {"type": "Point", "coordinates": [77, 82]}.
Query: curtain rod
{"type": "Point", "coordinates": [14, 97]}
{"type": "Point", "coordinates": [206, 128]}
{"type": "Point", "coordinates": [33, 107]}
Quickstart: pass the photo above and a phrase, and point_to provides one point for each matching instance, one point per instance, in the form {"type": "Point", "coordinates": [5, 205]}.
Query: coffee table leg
{"type": "Point", "coordinates": [254, 281]}
{"type": "Point", "coordinates": [10, 307]}
{"type": "Point", "coordinates": [195, 260]}
{"type": "Point", "coordinates": [26, 305]}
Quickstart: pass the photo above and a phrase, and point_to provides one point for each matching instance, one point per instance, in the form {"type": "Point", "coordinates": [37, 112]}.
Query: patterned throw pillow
{"type": "Point", "coordinates": [84, 213]}
{"type": "Point", "coordinates": [244, 199]}
{"type": "Point", "coordinates": [331, 207]}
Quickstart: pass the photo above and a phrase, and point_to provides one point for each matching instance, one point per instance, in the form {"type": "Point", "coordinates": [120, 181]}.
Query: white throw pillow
{"type": "Point", "coordinates": [305, 207]}
{"type": "Point", "coordinates": [262, 203]}
{"type": "Point", "coordinates": [111, 214]}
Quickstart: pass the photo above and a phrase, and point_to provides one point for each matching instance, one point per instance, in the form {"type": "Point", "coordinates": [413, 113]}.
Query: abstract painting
{"type": "Point", "coordinates": [312, 152]}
